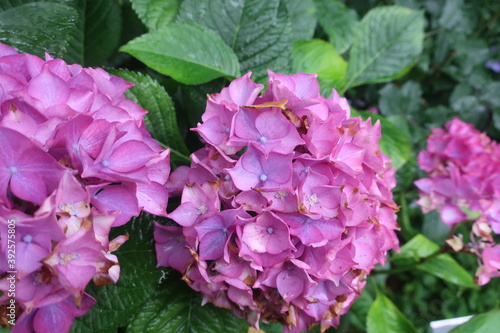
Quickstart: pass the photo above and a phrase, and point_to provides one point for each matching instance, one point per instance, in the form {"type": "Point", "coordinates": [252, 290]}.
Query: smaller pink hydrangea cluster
{"type": "Point", "coordinates": [286, 209]}
{"type": "Point", "coordinates": [75, 161]}
{"type": "Point", "coordinates": [464, 185]}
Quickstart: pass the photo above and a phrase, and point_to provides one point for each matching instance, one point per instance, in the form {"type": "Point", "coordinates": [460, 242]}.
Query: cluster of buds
{"type": "Point", "coordinates": [286, 209]}
{"type": "Point", "coordinates": [75, 161]}
{"type": "Point", "coordinates": [464, 185]}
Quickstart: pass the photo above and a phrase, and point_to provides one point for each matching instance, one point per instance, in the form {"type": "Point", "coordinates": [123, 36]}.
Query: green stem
{"type": "Point", "coordinates": [181, 156]}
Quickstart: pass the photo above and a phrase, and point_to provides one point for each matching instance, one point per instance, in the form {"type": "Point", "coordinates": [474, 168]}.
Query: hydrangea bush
{"type": "Point", "coordinates": [75, 161]}
{"type": "Point", "coordinates": [464, 185]}
{"type": "Point", "coordinates": [286, 209]}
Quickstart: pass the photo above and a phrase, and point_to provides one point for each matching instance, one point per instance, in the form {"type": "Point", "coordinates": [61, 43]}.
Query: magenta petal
{"type": "Point", "coordinates": [6, 50]}
{"type": "Point", "coordinates": [152, 198]}
{"type": "Point", "coordinates": [59, 317]}
{"type": "Point", "coordinates": [171, 248]}
{"type": "Point", "coordinates": [117, 198]}
{"type": "Point", "coordinates": [48, 88]}
{"type": "Point", "coordinates": [33, 173]}
{"type": "Point", "coordinates": [29, 257]}
{"type": "Point", "coordinates": [290, 284]}
{"type": "Point", "coordinates": [268, 234]}
{"type": "Point", "coordinates": [451, 214]}
{"type": "Point", "coordinates": [29, 187]}
{"type": "Point", "coordinates": [212, 245]}
{"type": "Point", "coordinates": [186, 214]}
{"type": "Point", "coordinates": [215, 231]}
{"type": "Point", "coordinates": [94, 136]}
{"type": "Point", "coordinates": [24, 324]}
{"type": "Point", "coordinates": [244, 124]}
{"type": "Point", "coordinates": [121, 161]}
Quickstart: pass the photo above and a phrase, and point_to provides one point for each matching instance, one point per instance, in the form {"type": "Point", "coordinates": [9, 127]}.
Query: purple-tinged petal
{"type": "Point", "coordinates": [215, 231]}
{"type": "Point", "coordinates": [33, 174]}
{"type": "Point", "coordinates": [171, 248]}
{"type": "Point", "coordinates": [451, 214]}
{"type": "Point", "coordinates": [267, 234]}
{"type": "Point", "coordinates": [115, 198]}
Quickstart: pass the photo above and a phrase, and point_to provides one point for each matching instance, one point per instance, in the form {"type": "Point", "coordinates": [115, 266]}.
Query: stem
{"type": "Point", "coordinates": [183, 157]}
{"type": "Point", "coordinates": [433, 32]}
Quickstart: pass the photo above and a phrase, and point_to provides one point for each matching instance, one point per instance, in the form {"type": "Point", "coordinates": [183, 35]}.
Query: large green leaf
{"type": "Point", "coordinates": [443, 266]}
{"type": "Point", "coordinates": [139, 279]}
{"type": "Point", "coordinates": [384, 317]}
{"type": "Point", "coordinates": [484, 323]}
{"type": "Point", "coordinates": [303, 15]}
{"type": "Point", "coordinates": [161, 120]}
{"type": "Point", "coordinates": [97, 32]}
{"type": "Point", "coordinates": [319, 57]}
{"type": "Point", "coordinates": [38, 27]}
{"type": "Point", "coordinates": [188, 53]}
{"type": "Point", "coordinates": [389, 41]}
{"type": "Point", "coordinates": [394, 143]}
{"type": "Point", "coordinates": [177, 309]}
{"type": "Point", "coordinates": [156, 14]}
{"type": "Point", "coordinates": [258, 31]}
{"type": "Point", "coordinates": [339, 22]}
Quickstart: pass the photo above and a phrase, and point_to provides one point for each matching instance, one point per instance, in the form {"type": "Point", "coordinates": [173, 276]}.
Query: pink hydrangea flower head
{"type": "Point", "coordinates": [75, 161]}
{"type": "Point", "coordinates": [462, 185]}
{"type": "Point", "coordinates": [286, 209]}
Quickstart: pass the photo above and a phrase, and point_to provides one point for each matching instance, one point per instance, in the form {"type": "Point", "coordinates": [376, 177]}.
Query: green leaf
{"type": "Point", "coordinates": [483, 323]}
{"type": "Point", "coordinates": [403, 101]}
{"type": "Point", "coordinates": [448, 269]}
{"type": "Point", "coordinates": [442, 266]}
{"type": "Point", "coordinates": [303, 15]}
{"type": "Point", "coordinates": [339, 22]}
{"type": "Point", "coordinates": [319, 57]}
{"type": "Point", "coordinates": [463, 99]}
{"type": "Point", "coordinates": [389, 41]}
{"type": "Point", "coordinates": [161, 120]}
{"type": "Point", "coordinates": [177, 308]}
{"type": "Point", "coordinates": [258, 31]}
{"type": "Point", "coordinates": [490, 95]}
{"type": "Point", "coordinates": [38, 27]}
{"type": "Point", "coordinates": [418, 247]}
{"type": "Point", "coordinates": [384, 317]}
{"type": "Point", "coordinates": [156, 14]}
{"type": "Point", "coordinates": [139, 279]}
{"type": "Point", "coordinates": [434, 228]}
{"type": "Point", "coordinates": [455, 18]}
{"type": "Point", "coordinates": [186, 52]}
{"type": "Point", "coordinates": [394, 143]}
{"type": "Point", "coordinates": [97, 33]}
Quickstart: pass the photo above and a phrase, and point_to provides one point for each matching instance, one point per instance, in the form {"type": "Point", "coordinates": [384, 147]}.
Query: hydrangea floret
{"type": "Point", "coordinates": [286, 208]}
{"type": "Point", "coordinates": [75, 161]}
{"type": "Point", "coordinates": [464, 186]}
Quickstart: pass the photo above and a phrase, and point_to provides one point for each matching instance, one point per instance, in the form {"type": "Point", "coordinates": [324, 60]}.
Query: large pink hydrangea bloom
{"type": "Point", "coordinates": [464, 185]}
{"type": "Point", "coordinates": [286, 209]}
{"type": "Point", "coordinates": [75, 161]}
